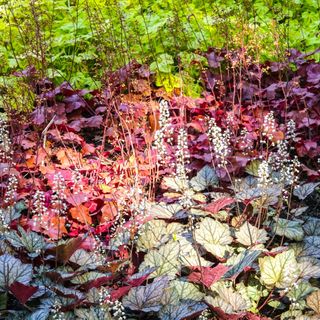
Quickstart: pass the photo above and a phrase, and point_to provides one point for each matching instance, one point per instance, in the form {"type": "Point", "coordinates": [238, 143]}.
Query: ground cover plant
{"type": "Point", "coordinates": [131, 203]}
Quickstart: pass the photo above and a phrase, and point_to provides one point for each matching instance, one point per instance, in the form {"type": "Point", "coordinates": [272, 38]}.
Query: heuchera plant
{"type": "Point", "coordinates": [127, 203]}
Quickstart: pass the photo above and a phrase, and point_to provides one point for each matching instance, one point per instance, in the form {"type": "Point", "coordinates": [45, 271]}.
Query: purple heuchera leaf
{"type": "Point", "coordinates": [93, 122]}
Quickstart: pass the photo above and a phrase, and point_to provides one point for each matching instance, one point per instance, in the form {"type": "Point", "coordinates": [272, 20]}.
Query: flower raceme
{"type": "Point", "coordinates": [220, 142]}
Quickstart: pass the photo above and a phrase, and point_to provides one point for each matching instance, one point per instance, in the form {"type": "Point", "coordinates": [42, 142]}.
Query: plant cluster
{"type": "Point", "coordinates": [128, 203]}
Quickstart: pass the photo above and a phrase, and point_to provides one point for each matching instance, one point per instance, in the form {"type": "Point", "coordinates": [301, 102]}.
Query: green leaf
{"type": "Point", "coordinates": [228, 300]}
{"type": "Point", "coordinates": [280, 271]}
{"type": "Point", "coordinates": [11, 270]}
{"type": "Point", "coordinates": [163, 63]}
{"type": "Point", "coordinates": [3, 300]}
{"type": "Point", "coordinates": [163, 210]}
{"type": "Point", "coordinates": [84, 258]}
{"type": "Point", "coordinates": [239, 262]}
{"type": "Point", "coordinates": [88, 276]}
{"type": "Point", "coordinates": [253, 168]}
{"type": "Point", "coordinates": [249, 235]}
{"type": "Point", "coordinates": [291, 229]}
{"type": "Point", "coordinates": [186, 290]}
{"type": "Point", "coordinates": [254, 291]}
{"type": "Point", "coordinates": [204, 179]}
{"type": "Point", "coordinates": [165, 259]}
{"type": "Point", "coordinates": [31, 241]}
{"type": "Point", "coordinates": [293, 314]}
{"type": "Point", "coordinates": [147, 298]}
{"type": "Point", "coordinates": [299, 292]}
{"type": "Point", "coordinates": [189, 257]}
{"type": "Point", "coordinates": [175, 183]}
{"type": "Point", "coordinates": [214, 236]}
{"type": "Point", "coordinates": [153, 234]}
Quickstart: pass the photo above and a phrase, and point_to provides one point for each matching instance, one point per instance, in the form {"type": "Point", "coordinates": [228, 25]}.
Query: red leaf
{"type": "Point", "coordinates": [216, 206]}
{"type": "Point", "coordinates": [63, 252]}
{"type": "Point", "coordinates": [22, 292]}
{"type": "Point", "coordinates": [120, 292]}
{"type": "Point", "coordinates": [139, 281]}
{"type": "Point", "coordinates": [81, 214]}
{"type": "Point", "coordinates": [97, 283]}
{"type": "Point", "coordinates": [207, 275]}
{"type": "Point", "coordinates": [77, 199]}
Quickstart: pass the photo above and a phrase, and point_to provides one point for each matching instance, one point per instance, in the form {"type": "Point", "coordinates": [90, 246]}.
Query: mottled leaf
{"type": "Point", "coordinates": [313, 301]}
{"type": "Point", "coordinates": [31, 241]}
{"type": "Point", "coordinates": [237, 263]}
{"type": "Point", "coordinates": [280, 271]}
{"type": "Point", "coordinates": [183, 310]}
{"type": "Point", "coordinates": [152, 234]}
{"type": "Point", "coordinates": [146, 298]}
{"type": "Point", "coordinates": [214, 236]}
{"type": "Point", "coordinates": [291, 229]}
{"type": "Point", "coordinates": [204, 179]}
{"type": "Point", "coordinates": [249, 235]}
{"type": "Point", "coordinates": [312, 227]}
{"type": "Point", "coordinates": [228, 300]}
{"type": "Point", "coordinates": [304, 190]}
{"type": "Point", "coordinates": [164, 259]}
{"type": "Point", "coordinates": [11, 270]}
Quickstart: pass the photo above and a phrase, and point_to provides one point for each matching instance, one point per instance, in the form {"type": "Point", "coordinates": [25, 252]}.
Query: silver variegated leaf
{"type": "Point", "coordinates": [214, 236]}
{"type": "Point", "coordinates": [11, 270]}
{"type": "Point", "coordinates": [204, 179]}
{"type": "Point", "coordinates": [305, 190]}
{"type": "Point", "coordinates": [183, 310]}
{"type": "Point", "coordinates": [147, 298]}
{"type": "Point", "coordinates": [165, 260]}
{"type": "Point", "coordinates": [292, 229]}
{"type": "Point", "coordinates": [249, 235]}
{"type": "Point", "coordinates": [312, 226]}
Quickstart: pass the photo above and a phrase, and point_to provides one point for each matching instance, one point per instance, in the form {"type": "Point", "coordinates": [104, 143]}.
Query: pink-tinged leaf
{"type": "Point", "coordinates": [22, 292]}
{"type": "Point", "coordinates": [208, 276]}
{"type": "Point", "coordinates": [93, 122]}
{"type": "Point", "coordinates": [87, 149]}
{"type": "Point", "coordinates": [120, 292]}
{"type": "Point", "coordinates": [77, 199]}
{"type": "Point", "coordinates": [312, 174]}
{"type": "Point", "coordinates": [139, 278]}
{"type": "Point", "coordinates": [215, 206]}
{"type": "Point", "coordinates": [27, 144]}
{"type": "Point", "coordinates": [72, 137]}
{"type": "Point", "coordinates": [309, 144]}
